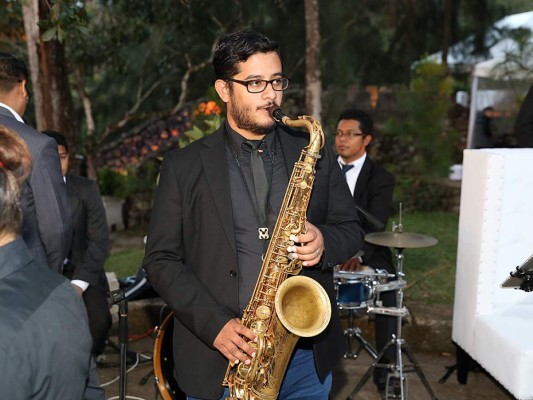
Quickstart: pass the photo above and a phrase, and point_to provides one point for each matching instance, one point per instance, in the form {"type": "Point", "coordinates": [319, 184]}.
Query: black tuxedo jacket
{"type": "Point", "coordinates": [523, 128]}
{"type": "Point", "coordinates": [90, 238]}
{"type": "Point", "coordinates": [191, 255]}
{"type": "Point", "coordinates": [373, 193]}
{"type": "Point", "coordinates": [46, 226]}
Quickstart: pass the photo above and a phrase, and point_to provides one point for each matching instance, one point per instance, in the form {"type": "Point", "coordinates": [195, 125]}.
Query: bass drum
{"type": "Point", "coordinates": [164, 362]}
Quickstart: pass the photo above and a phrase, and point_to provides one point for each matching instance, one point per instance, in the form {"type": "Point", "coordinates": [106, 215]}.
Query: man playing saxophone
{"type": "Point", "coordinates": [214, 213]}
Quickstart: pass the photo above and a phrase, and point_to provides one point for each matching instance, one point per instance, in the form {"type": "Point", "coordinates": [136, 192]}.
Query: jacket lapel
{"type": "Point", "coordinates": [214, 162]}
{"type": "Point", "coordinates": [362, 180]}
{"type": "Point", "coordinates": [73, 196]}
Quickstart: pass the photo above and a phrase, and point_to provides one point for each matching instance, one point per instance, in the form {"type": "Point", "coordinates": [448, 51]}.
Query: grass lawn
{"type": "Point", "coordinates": [429, 272]}
{"type": "Point", "coordinates": [124, 263]}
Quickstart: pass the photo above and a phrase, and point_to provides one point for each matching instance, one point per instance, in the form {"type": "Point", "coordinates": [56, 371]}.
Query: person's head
{"type": "Point", "coordinates": [489, 112]}
{"type": "Point", "coordinates": [355, 129]}
{"type": "Point", "coordinates": [62, 148]}
{"type": "Point", "coordinates": [15, 165]}
{"type": "Point", "coordinates": [13, 82]}
{"type": "Point", "coordinates": [249, 79]}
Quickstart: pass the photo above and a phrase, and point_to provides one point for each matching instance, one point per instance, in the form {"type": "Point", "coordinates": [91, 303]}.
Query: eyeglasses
{"type": "Point", "coordinates": [259, 85]}
{"type": "Point", "coordinates": [349, 134]}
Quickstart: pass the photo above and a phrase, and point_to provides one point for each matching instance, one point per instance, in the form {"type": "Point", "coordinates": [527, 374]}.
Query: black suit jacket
{"type": "Point", "coordinates": [90, 238]}
{"type": "Point", "coordinates": [523, 128]}
{"type": "Point", "coordinates": [46, 226]}
{"type": "Point", "coordinates": [373, 193]}
{"type": "Point", "coordinates": [191, 255]}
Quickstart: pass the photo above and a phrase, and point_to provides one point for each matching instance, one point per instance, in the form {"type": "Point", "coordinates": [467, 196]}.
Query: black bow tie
{"type": "Point", "coordinates": [346, 168]}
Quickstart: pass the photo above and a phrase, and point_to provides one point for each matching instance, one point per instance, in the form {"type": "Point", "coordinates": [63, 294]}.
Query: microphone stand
{"type": "Point", "coordinates": [118, 297]}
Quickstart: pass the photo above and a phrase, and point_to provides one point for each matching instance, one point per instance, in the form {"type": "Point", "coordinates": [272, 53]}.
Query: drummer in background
{"type": "Point", "coordinates": [372, 188]}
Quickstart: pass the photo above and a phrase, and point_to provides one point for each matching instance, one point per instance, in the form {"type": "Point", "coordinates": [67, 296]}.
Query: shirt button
{"type": "Point", "coordinates": [233, 273]}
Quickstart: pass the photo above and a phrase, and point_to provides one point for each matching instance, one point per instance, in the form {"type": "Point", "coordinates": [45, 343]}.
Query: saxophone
{"type": "Point", "coordinates": [281, 310]}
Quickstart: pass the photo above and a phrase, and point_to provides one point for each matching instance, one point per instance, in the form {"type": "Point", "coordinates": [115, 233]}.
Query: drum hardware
{"type": "Point", "coordinates": [354, 332]}
{"type": "Point", "coordinates": [355, 292]}
{"type": "Point", "coordinates": [163, 360]}
{"type": "Point", "coordinates": [117, 297]}
{"type": "Point", "coordinates": [396, 385]}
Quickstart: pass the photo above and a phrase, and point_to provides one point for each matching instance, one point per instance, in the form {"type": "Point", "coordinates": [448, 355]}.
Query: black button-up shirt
{"type": "Point", "coordinates": [246, 221]}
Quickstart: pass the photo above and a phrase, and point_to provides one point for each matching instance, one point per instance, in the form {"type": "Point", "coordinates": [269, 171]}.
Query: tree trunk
{"type": "Point", "coordinates": [313, 83]}
{"type": "Point", "coordinates": [49, 75]}
{"type": "Point", "coordinates": [446, 31]}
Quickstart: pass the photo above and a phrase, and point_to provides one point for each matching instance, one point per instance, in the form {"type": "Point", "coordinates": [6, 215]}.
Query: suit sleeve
{"type": "Point", "coordinates": [379, 205]}
{"type": "Point", "coordinates": [51, 205]}
{"type": "Point", "coordinates": [340, 225]}
{"type": "Point", "coordinates": [166, 266]}
{"type": "Point", "coordinates": [97, 236]}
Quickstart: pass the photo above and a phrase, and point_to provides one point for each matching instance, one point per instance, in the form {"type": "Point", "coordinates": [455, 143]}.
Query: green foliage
{"type": "Point", "coordinates": [65, 18]}
{"type": "Point", "coordinates": [422, 129]}
{"type": "Point", "coordinates": [133, 180]}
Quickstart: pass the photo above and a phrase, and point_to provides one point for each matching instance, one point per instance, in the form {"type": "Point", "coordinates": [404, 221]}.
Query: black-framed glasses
{"type": "Point", "coordinates": [259, 85]}
{"type": "Point", "coordinates": [349, 134]}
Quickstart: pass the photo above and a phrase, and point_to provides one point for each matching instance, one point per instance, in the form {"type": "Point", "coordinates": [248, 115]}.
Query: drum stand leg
{"type": "Point", "coordinates": [118, 297]}
{"type": "Point", "coordinates": [355, 332]}
{"type": "Point", "coordinates": [395, 380]}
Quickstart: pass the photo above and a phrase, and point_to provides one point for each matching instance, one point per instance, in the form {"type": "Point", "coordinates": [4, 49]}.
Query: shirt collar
{"type": "Point", "coordinates": [15, 114]}
{"type": "Point", "coordinates": [238, 139]}
{"type": "Point", "coordinates": [356, 163]}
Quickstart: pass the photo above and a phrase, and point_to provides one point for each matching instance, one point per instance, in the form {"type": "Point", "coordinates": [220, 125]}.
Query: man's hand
{"type": "Point", "coordinates": [353, 264]}
{"type": "Point", "coordinates": [231, 342]}
{"type": "Point", "coordinates": [312, 246]}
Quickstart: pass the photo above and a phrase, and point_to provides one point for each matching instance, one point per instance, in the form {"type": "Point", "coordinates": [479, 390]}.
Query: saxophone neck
{"type": "Point", "coordinates": [316, 140]}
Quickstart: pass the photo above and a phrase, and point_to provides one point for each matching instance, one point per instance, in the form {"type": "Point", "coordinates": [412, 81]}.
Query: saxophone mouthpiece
{"type": "Point", "coordinates": [278, 115]}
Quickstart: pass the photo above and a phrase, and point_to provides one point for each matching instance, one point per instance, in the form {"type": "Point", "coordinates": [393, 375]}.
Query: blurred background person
{"type": "Point", "coordinates": [523, 127]}
{"type": "Point", "coordinates": [45, 345]}
{"type": "Point", "coordinates": [90, 247]}
{"type": "Point", "coordinates": [46, 223]}
{"type": "Point", "coordinates": [372, 188]}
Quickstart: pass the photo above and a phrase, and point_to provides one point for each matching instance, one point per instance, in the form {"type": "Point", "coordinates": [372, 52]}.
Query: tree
{"type": "Point", "coordinates": [49, 74]}
{"type": "Point", "coordinates": [313, 83]}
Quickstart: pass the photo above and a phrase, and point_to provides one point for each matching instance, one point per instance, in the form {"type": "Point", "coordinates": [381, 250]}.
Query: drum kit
{"type": "Point", "coordinates": [359, 291]}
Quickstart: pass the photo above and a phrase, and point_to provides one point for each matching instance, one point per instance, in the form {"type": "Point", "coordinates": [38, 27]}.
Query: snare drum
{"type": "Point", "coordinates": [164, 363]}
{"type": "Point", "coordinates": [355, 289]}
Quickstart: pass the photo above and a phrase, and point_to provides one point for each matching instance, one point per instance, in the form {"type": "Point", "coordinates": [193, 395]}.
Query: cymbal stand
{"type": "Point", "coordinates": [355, 332]}
{"type": "Point", "coordinates": [395, 379]}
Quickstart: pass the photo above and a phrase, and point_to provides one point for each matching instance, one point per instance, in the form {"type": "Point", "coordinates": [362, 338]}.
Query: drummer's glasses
{"type": "Point", "coordinates": [348, 134]}
{"type": "Point", "coordinates": [259, 85]}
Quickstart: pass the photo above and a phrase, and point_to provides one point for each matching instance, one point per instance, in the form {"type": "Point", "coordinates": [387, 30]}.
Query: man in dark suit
{"type": "Point", "coordinates": [523, 128]}
{"type": "Point", "coordinates": [90, 246]}
{"type": "Point", "coordinates": [45, 344]}
{"type": "Point", "coordinates": [372, 187]}
{"type": "Point", "coordinates": [46, 225]}
{"type": "Point", "coordinates": [203, 253]}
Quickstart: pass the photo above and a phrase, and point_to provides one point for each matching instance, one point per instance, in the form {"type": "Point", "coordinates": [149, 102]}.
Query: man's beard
{"type": "Point", "coordinates": [242, 115]}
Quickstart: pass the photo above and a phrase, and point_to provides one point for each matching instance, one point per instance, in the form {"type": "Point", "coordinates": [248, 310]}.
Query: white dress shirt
{"type": "Point", "coordinates": [353, 173]}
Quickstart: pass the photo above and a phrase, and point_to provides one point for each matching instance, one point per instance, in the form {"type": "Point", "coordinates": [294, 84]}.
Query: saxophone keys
{"type": "Point", "coordinates": [262, 312]}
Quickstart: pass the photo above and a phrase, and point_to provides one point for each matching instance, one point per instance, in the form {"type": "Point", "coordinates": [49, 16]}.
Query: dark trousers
{"type": "Point", "coordinates": [385, 326]}
{"type": "Point", "coordinates": [99, 316]}
{"type": "Point", "coordinates": [95, 299]}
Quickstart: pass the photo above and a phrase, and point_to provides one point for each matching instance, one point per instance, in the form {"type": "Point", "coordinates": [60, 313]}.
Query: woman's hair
{"type": "Point", "coordinates": [15, 165]}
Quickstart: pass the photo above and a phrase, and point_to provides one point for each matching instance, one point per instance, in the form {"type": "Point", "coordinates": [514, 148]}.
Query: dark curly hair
{"type": "Point", "coordinates": [237, 47]}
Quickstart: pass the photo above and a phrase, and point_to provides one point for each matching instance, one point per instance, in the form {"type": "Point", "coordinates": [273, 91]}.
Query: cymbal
{"type": "Point", "coordinates": [401, 240]}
